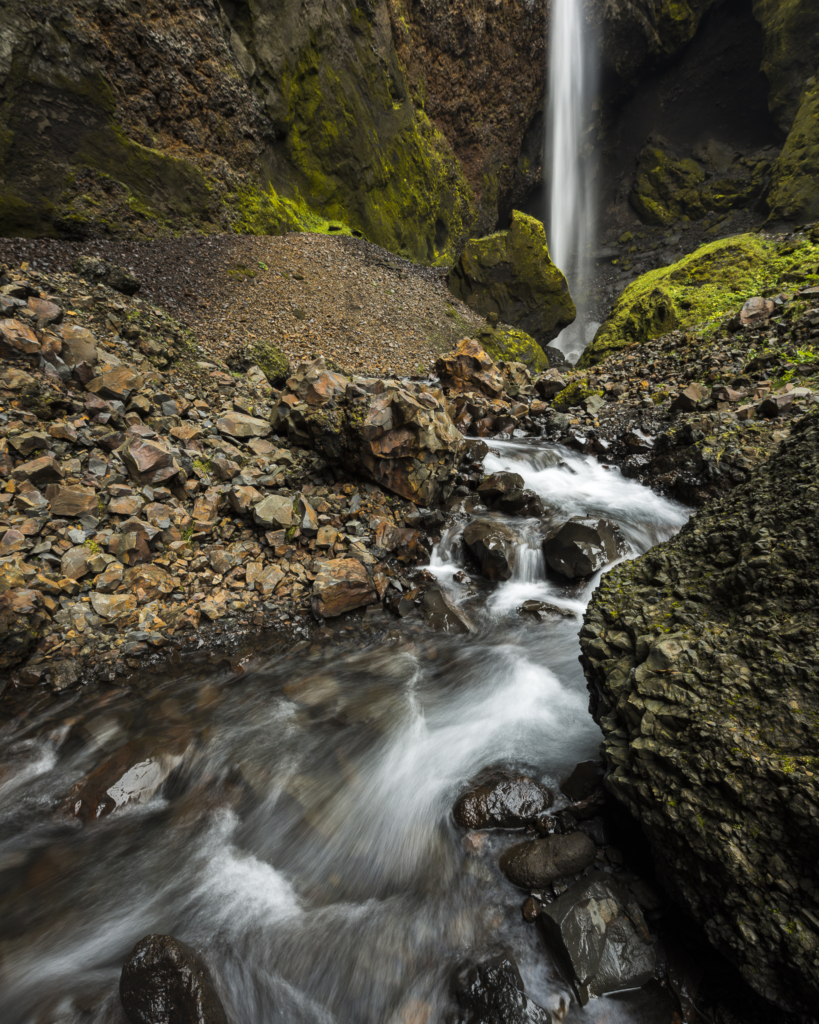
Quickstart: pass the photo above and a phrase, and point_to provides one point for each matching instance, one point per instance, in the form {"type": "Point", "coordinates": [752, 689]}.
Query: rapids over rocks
{"type": "Point", "coordinates": [295, 822]}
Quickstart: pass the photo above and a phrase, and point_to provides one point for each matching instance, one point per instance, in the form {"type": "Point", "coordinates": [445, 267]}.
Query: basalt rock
{"type": "Point", "coordinates": [701, 659]}
{"type": "Point", "coordinates": [399, 435]}
{"type": "Point", "coordinates": [491, 545]}
{"type": "Point", "coordinates": [492, 993]}
{"type": "Point", "coordinates": [469, 368]}
{"type": "Point", "coordinates": [511, 274]}
{"type": "Point", "coordinates": [582, 546]}
{"type": "Point", "coordinates": [505, 802]}
{"type": "Point", "coordinates": [164, 981]}
{"type": "Point", "coordinates": [538, 863]}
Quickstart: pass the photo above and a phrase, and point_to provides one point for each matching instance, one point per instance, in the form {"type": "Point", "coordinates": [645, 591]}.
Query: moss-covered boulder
{"type": "Point", "coordinates": [701, 288]}
{"type": "Point", "coordinates": [510, 345]}
{"type": "Point", "coordinates": [512, 275]}
{"type": "Point", "coordinates": [668, 188]}
{"type": "Point", "coordinates": [702, 661]}
{"type": "Point", "coordinates": [264, 354]}
{"type": "Point", "coordinates": [794, 191]}
{"type": "Point", "coordinates": [574, 394]}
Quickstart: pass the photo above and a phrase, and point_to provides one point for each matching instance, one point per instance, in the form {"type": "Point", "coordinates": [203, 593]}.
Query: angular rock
{"type": "Point", "coordinates": [43, 470]}
{"type": "Point", "coordinates": [164, 981]}
{"type": "Point", "coordinates": [497, 485]}
{"type": "Point", "coordinates": [440, 614]}
{"type": "Point", "coordinates": [113, 606]}
{"type": "Point", "coordinates": [585, 779]}
{"type": "Point", "coordinates": [492, 993]}
{"type": "Point", "coordinates": [239, 424]}
{"type": "Point", "coordinates": [148, 462]}
{"type": "Point", "coordinates": [753, 311]}
{"type": "Point", "coordinates": [74, 563]}
{"type": "Point", "coordinates": [503, 802]}
{"type": "Point", "coordinates": [341, 585]}
{"type": "Point", "coordinates": [78, 346]}
{"type": "Point", "coordinates": [470, 369]}
{"type": "Point", "coordinates": [549, 384]}
{"type": "Point", "coordinates": [491, 545]}
{"type": "Point", "coordinates": [538, 863]}
{"type": "Point", "coordinates": [274, 510]}
{"type": "Point", "coordinates": [689, 398]}
{"type": "Point", "coordinates": [71, 502]}
{"type": "Point", "coordinates": [599, 932]}
{"type": "Point", "coordinates": [271, 360]}
{"type": "Point", "coordinates": [46, 312]}
{"type": "Point", "coordinates": [97, 269]}
{"type": "Point", "coordinates": [148, 582]}
{"type": "Point", "coordinates": [243, 498]}
{"type": "Point", "coordinates": [582, 546]}
{"type": "Point", "coordinates": [512, 275]}
{"type": "Point", "coordinates": [17, 340]}
{"type": "Point", "coordinates": [119, 383]}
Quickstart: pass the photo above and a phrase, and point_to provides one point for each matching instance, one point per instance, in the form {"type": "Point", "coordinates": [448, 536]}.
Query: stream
{"type": "Point", "coordinates": [294, 821]}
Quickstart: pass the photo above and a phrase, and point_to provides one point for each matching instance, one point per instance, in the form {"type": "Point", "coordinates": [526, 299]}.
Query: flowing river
{"type": "Point", "coordinates": [304, 837]}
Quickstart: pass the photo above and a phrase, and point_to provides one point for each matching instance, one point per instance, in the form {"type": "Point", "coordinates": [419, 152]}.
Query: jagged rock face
{"type": "Point", "coordinates": [702, 661]}
{"type": "Point", "coordinates": [510, 274]}
{"type": "Point", "coordinates": [175, 115]}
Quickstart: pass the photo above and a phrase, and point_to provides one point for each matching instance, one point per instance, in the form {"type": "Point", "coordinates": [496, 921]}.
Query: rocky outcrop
{"type": "Point", "coordinates": [469, 368]}
{"type": "Point", "coordinates": [399, 435]}
{"type": "Point", "coordinates": [511, 275]}
{"type": "Point", "coordinates": [701, 658]}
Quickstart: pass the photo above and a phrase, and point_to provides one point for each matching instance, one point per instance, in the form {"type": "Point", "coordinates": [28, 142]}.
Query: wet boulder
{"type": "Point", "coordinates": [599, 933]}
{"type": "Point", "coordinates": [497, 485]}
{"type": "Point", "coordinates": [582, 546]}
{"type": "Point", "coordinates": [492, 993]}
{"type": "Point", "coordinates": [164, 981]}
{"type": "Point", "coordinates": [398, 434]}
{"type": "Point", "coordinates": [504, 802]}
{"type": "Point", "coordinates": [536, 864]}
{"type": "Point", "coordinates": [490, 544]}
{"type": "Point", "coordinates": [511, 274]}
{"type": "Point", "coordinates": [441, 614]}
{"type": "Point", "coordinates": [470, 369]}
{"type": "Point", "coordinates": [544, 611]}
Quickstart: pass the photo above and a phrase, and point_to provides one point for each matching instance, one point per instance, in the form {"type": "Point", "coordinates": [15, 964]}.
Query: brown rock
{"type": "Point", "coordinates": [78, 346]}
{"type": "Point", "coordinates": [44, 470]}
{"type": "Point", "coordinates": [110, 578]}
{"type": "Point", "coordinates": [238, 424]}
{"type": "Point", "coordinates": [30, 441]}
{"type": "Point", "coordinates": [118, 383]}
{"type": "Point", "coordinates": [186, 432]}
{"type": "Point", "coordinates": [206, 507]}
{"type": "Point", "coordinates": [537, 864]}
{"type": "Point", "coordinates": [128, 505]}
{"type": "Point", "coordinates": [47, 312]}
{"type": "Point", "coordinates": [113, 606]}
{"type": "Point", "coordinates": [326, 537]}
{"type": "Point", "coordinates": [689, 399]}
{"type": "Point", "coordinates": [341, 585]}
{"type": "Point", "coordinates": [148, 582]}
{"type": "Point", "coordinates": [69, 502]}
{"type": "Point", "coordinates": [503, 802]}
{"type": "Point", "coordinates": [242, 499]}
{"type": "Point", "coordinates": [16, 339]}
{"type": "Point", "coordinates": [754, 310]}
{"type": "Point", "coordinates": [274, 509]}
{"type": "Point", "coordinates": [74, 563]}
{"type": "Point", "coordinates": [148, 462]}
{"type": "Point", "coordinates": [549, 384]}
{"type": "Point", "coordinates": [469, 369]}
{"type": "Point", "coordinates": [11, 541]}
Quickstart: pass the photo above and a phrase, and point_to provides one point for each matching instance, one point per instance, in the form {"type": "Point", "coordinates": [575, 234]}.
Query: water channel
{"type": "Point", "coordinates": [304, 838]}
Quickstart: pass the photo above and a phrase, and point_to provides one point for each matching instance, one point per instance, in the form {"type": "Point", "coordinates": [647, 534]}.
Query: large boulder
{"type": "Point", "coordinates": [492, 993]}
{"type": "Point", "coordinates": [341, 585]}
{"type": "Point", "coordinates": [702, 661]}
{"type": "Point", "coordinates": [599, 933]}
{"type": "Point", "coordinates": [511, 274]}
{"type": "Point", "coordinates": [398, 434]}
{"type": "Point", "coordinates": [582, 546]}
{"type": "Point", "coordinates": [491, 544]}
{"type": "Point", "coordinates": [164, 981]}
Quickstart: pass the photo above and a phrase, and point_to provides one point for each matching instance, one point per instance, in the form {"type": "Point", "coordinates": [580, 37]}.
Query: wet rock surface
{"type": "Point", "coordinates": [538, 863]}
{"type": "Point", "coordinates": [164, 981]}
{"type": "Point", "coordinates": [492, 993]}
{"type": "Point", "coordinates": [503, 803]}
{"type": "Point", "coordinates": [701, 659]}
{"type": "Point", "coordinates": [582, 546]}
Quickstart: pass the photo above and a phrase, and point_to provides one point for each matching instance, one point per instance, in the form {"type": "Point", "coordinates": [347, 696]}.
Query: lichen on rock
{"type": "Point", "coordinates": [702, 660]}
{"type": "Point", "coordinates": [511, 274]}
{"type": "Point", "coordinates": [794, 191]}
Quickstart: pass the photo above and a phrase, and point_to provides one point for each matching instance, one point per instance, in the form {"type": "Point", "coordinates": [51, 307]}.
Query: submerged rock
{"type": "Point", "coordinates": [439, 612]}
{"type": "Point", "coordinates": [538, 863]}
{"type": "Point", "coordinates": [702, 661]}
{"type": "Point", "coordinates": [599, 933]}
{"type": "Point", "coordinates": [503, 803]}
{"type": "Point", "coordinates": [492, 993]}
{"type": "Point", "coordinates": [164, 981]}
{"type": "Point", "coordinates": [582, 546]}
{"type": "Point", "coordinates": [512, 275]}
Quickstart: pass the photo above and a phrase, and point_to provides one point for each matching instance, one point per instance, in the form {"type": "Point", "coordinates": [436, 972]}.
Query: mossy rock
{"type": "Point", "coordinates": [513, 346]}
{"type": "Point", "coordinates": [575, 394]}
{"type": "Point", "coordinates": [271, 360]}
{"type": "Point", "coordinates": [794, 191]}
{"type": "Point", "coordinates": [668, 188]}
{"type": "Point", "coordinates": [512, 275]}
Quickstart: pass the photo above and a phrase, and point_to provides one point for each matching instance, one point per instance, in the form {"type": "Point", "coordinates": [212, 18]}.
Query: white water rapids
{"type": "Point", "coordinates": [571, 89]}
{"type": "Point", "coordinates": [306, 843]}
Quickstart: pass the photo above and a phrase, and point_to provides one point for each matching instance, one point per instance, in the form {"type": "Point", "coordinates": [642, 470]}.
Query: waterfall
{"type": "Point", "coordinates": [571, 88]}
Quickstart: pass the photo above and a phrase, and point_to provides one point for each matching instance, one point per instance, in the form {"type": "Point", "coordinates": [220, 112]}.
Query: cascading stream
{"type": "Point", "coordinates": [571, 88]}
{"type": "Point", "coordinates": [305, 840]}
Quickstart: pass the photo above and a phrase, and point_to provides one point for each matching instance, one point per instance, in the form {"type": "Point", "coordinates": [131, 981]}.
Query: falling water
{"type": "Point", "coordinates": [572, 80]}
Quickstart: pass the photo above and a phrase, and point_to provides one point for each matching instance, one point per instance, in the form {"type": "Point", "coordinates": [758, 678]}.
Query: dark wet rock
{"type": "Point", "coordinates": [582, 546]}
{"type": "Point", "coordinates": [492, 993]}
{"type": "Point", "coordinates": [503, 803]}
{"type": "Point", "coordinates": [164, 981]}
{"type": "Point", "coordinates": [542, 861]}
{"type": "Point", "coordinates": [499, 484]}
{"type": "Point", "coordinates": [439, 612]}
{"type": "Point", "coordinates": [544, 611]}
{"type": "Point", "coordinates": [586, 779]}
{"type": "Point", "coordinates": [598, 931]}
{"type": "Point", "coordinates": [702, 659]}
{"type": "Point", "coordinates": [490, 544]}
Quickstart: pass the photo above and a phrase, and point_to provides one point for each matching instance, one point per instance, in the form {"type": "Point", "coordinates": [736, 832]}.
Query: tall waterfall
{"type": "Point", "coordinates": [572, 82]}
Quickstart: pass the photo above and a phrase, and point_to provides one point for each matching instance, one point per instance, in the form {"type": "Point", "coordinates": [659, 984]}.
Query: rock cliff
{"type": "Point", "coordinates": [701, 659]}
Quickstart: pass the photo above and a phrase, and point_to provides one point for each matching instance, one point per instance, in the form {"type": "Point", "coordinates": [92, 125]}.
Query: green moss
{"type": "Point", "coordinates": [574, 394]}
{"type": "Point", "coordinates": [794, 191]}
{"type": "Point", "coordinates": [701, 289]}
{"type": "Point", "coordinates": [513, 346]}
{"type": "Point", "coordinates": [272, 361]}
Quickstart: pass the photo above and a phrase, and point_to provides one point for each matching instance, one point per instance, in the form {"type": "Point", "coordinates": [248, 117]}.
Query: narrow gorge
{"type": "Point", "coordinates": [409, 501]}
